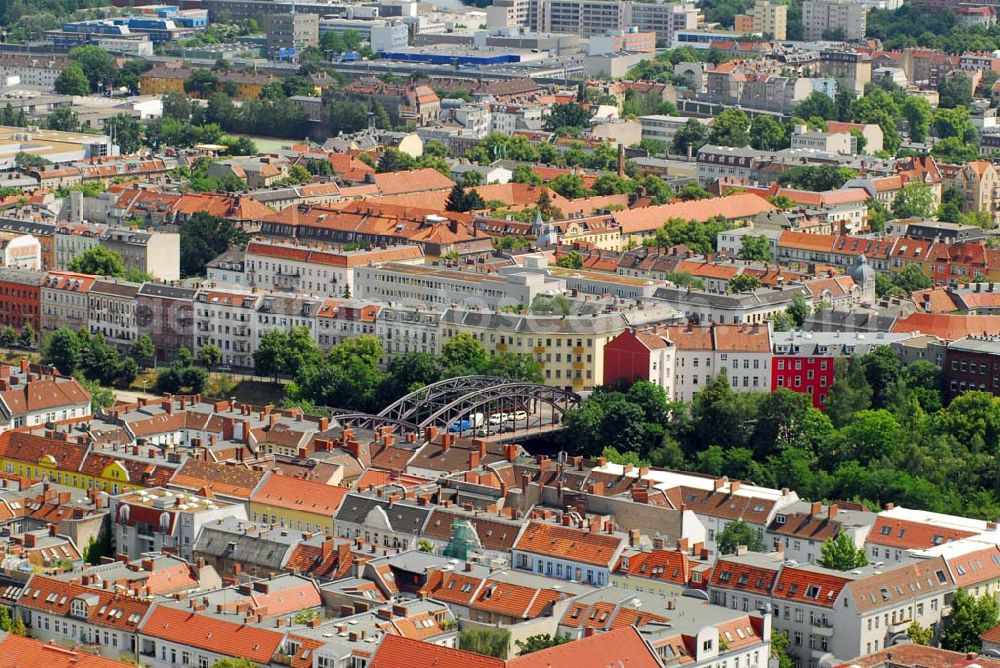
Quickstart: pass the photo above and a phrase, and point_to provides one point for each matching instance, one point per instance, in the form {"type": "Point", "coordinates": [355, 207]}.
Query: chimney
{"type": "Point", "coordinates": [741, 550]}
{"type": "Point", "coordinates": [480, 444]}
{"type": "Point", "coordinates": [815, 508]}
{"type": "Point", "coordinates": [633, 537]}
{"type": "Point", "coordinates": [430, 433]}
{"type": "Point", "coordinates": [889, 506]}
{"type": "Point", "coordinates": [640, 494]}
{"type": "Point", "coordinates": [831, 511]}
{"type": "Point", "coordinates": [474, 459]}
{"type": "Point", "coordinates": [510, 452]}
{"type": "Point", "coordinates": [718, 484]}
{"type": "Point", "coordinates": [445, 442]}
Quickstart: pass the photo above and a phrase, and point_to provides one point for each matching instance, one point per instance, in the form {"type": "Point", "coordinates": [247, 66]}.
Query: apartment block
{"type": "Point", "coordinates": [826, 19]}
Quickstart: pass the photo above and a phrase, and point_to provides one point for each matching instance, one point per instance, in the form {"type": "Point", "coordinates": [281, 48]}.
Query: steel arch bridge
{"type": "Point", "coordinates": [443, 403]}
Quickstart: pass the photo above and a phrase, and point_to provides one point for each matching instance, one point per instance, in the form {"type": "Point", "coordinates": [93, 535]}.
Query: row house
{"type": "Point", "coordinates": [899, 530]}
{"type": "Point", "coordinates": [714, 502]}
{"type": "Point", "coordinates": [870, 607]}
{"type": "Point", "coordinates": [111, 311]}
{"type": "Point", "coordinates": [160, 520]}
{"type": "Point", "coordinates": [567, 552]}
{"type": "Point", "coordinates": [282, 312]}
{"type": "Point", "coordinates": [166, 314]}
{"type": "Point", "coordinates": [323, 271]}
{"type": "Point", "coordinates": [743, 352]}
{"type": "Point", "coordinates": [800, 529]}
{"type": "Point", "coordinates": [20, 298]}
{"type": "Point", "coordinates": [403, 329]}
{"type": "Point", "coordinates": [64, 301]}
{"type": "Point", "coordinates": [226, 319]}
{"type": "Point", "coordinates": [339, 320]}
{"type": "Point", "coordinates": [67, 611]}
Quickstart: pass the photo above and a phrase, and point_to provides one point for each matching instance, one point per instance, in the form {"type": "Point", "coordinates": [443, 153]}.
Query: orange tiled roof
{"type": "Point", "coordinates": [808, 586]}
{"type": "Point", "coordinates": [302, 495]}
{"type": "Point", "coordinates": [948, 327]}
{"type": "Point", "coordinates": [909, 535]}
{"type": "Point", "coordinates": [569, 543]}
{"type": "Point", "coordinates": [18, 652]}
{"type": "Point", "coordinates": [215, 635]}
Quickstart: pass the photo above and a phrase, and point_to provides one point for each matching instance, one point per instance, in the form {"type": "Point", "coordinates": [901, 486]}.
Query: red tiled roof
{"type": "Point", "coordinates": [911, 656]}
{"type": "Point", "coordinates": [569, 543]}
{"type": "Point", "coordinates": [909, 535]}
{"type": "Point", "coordinates": [18, 652]}
{"type": "Point", "coordinates": [664, 565]}
{"type": "Point", "coordinates": [412, 181]}
{"type": "Point", "coordinates": [399, 652]}
{"type": "Point", "coordinates": [808, 586]}
{"type": "Point", "coordinates": [215, 635]}
{"type": "Point", "coordinates": [738, 575]}
{"type": "Point", "coordinates": [948, 327]}
{"type": "Point", "coordinates": [302, 495]}
{"type": "Point", "coordinates": [55, 597]}
{"type": "Point", "coordinates": [731, 207]}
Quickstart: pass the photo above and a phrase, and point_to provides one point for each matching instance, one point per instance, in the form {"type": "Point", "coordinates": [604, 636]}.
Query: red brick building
{"type": "Point", "coordinates": [972, 363]}
{"type": "Point", "coordinates": [20, 298]}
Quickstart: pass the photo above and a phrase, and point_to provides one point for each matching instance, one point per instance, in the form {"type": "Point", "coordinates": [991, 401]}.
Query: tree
{"type": "Point", "coordinates": [270, 355]}
{"type": "Point", "coordinates": [840, 553]}
{"type": "Point", "coordinates": [5, 621]}
{"type": "Point", "coordinates": [460, 200]}
{"type": "Point", "coordinates": [919, 635]}
{"type": "Point", "coordinates": [18, 627]}
{"type": "Point", "coordinates": [63, 119]}
{"type": "Point", "coordinates": [202, 83]}
{"type": "Point", "coordinates": [799, 309]}
{"type": "Point", "coordinates": [569, 186]}
{"type": "Point", "coordinates": [570, 115]}
{"type": "Point", "coordinates": [918, 113]}
{"type": "Point", "coordinates": [62, 350]}
{"type": "Point", "coordinates": [210, 356]}
{"type": "Point", "coordinates": [767, 134]}
{"type": "Point", "coordinates": [8, 337]}
{"type": "Point", "coordinates": [203, 237]}
{"type": "Point", "coordinates": [817, 104]}
{"type": "Point", "coordinates": [912, 278]}
{"type": "Point", "coordinates": [731, 128]}
{"type": "Point", "coordinates": [100, 546]}
{"type": "Point", "coordinates": [25, 161]}
{"type": "Point", "coordinates": [914, 200]}
{"type": "Point", "coordinates": [779, 649]}
{"type": "Point", "coordinates": [736, 534]}
{"type": "Point", "coordinates": [142, 348]}
{"type": "Point", "coordinates": [393, 160]}
{"type": "Point", "coordinates": [99, 261]}
{"type": "Point", "coordinates": [817, 178]}
{"type": "Point", "coordinates": [539, 642]}
{"type": "Point", "coordinates": [570, 260]}
{"type": "Point", "coordinates": [487, 641]}
{"type": "Point", "coordinates": [690, 137]}
{"type": "Point", "coordinates": [126, 131]}
{"type": "Point", "coordinates": [72, 81]}
{"type": "Point", "coordinates": [955, 91]}
{"type": "Point", "coordinates": [969, 618]}
{"type": "Point", "coordinates": [234, 663]}
{"type": "Point", "coordinates": [98, 66]}
{"type": "Point", "coordinates": [755, 248]}
{"type": "Point", "coordinates": [744, 283]}
{"type": "Point", "coordinates": [26, 339]}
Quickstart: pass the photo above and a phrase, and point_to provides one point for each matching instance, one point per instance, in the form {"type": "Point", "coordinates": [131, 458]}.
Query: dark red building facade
{"type": "Point", "coordinates": [20, 298]}
{"type": "Point", "coordinates": [809, 374]}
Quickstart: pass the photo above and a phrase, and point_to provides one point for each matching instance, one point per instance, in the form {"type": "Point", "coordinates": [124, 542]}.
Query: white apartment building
{"type": "Point", "coordinates": [226, 319]}
{"type": "Point", "coordinates": [743, 352]}
{"type": "Point", "coordinates": [64, 300]}
{"type": "Point", "coordinates": [339, 320]}
{"type": "Point", "coordinates": [282, 312]}
{"type": "Point", "coordinates": [320, 271]}
{"type": "Point", "coordinates": [822, 18]}
{"type": "Point", "coordinates": [663, 128]}
{"type": "Point", "coordinates": [157, 520]}
{"type": "Point", "coordinates": [111, 308]}
{"type": "Point", "coordinates": [899, 530]}
{"type": "Point", "coordinates": [404, 330]}
{"type": "Point", "coordinates": [36, 71]}
{"type": "Point", "coordinates": [442, 287]}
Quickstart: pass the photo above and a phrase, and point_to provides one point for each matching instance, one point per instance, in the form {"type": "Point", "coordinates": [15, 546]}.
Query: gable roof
{"type": "Point", "coordinates": [297, 494]}
{"type": "Point", "coordinates": [813, 587]}
{"type": "Point", "coordinates": [569, 543]}
{"type": "Point", "coordinates": [215, 635]}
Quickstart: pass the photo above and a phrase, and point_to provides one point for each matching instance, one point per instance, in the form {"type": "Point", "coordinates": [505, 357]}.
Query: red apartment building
{"type": "Point", "coordinates": [805, 361]}
{"type": "Point", "coordinates": [20, 298]}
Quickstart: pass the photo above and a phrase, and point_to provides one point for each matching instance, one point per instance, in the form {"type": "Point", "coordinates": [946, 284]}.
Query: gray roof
{"type": "Point", "coordinates": [267, 548]}
{"type": "Point", "coordinates": [403, 517]}
{"type": "Point", "coordinates": [23, 276]}
{"type": "Point", "coordinates": [603, 322]}
{"type": "Point", "coordinates": [978, 344]}
{"type": "Point", "coordinates": [843, 320]}
{"type": "Point", "coordinates": [168, 291]}
{"type": "Point", "coordinates": [744, 300]}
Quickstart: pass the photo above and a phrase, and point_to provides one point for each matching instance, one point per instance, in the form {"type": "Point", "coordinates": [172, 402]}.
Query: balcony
{"type": "Point", "coordinates": [539, 349]}
{"type": "Point", "coordinates": [822, 627]}
{"type": "Point", "coordinates": [578, 365]}
{"type": "Point", "coordinates": [900, 626]}
{"type": "Point", "coordinates": [578, 350]}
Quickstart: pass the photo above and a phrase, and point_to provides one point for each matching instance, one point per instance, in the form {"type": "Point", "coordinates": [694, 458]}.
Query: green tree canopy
{"type": "Point", "coordinates": [841, 554]}
{"type": "Point", "coordinates": [99, 261]}
{"type": "Point", "coordinates": [739, 533]}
